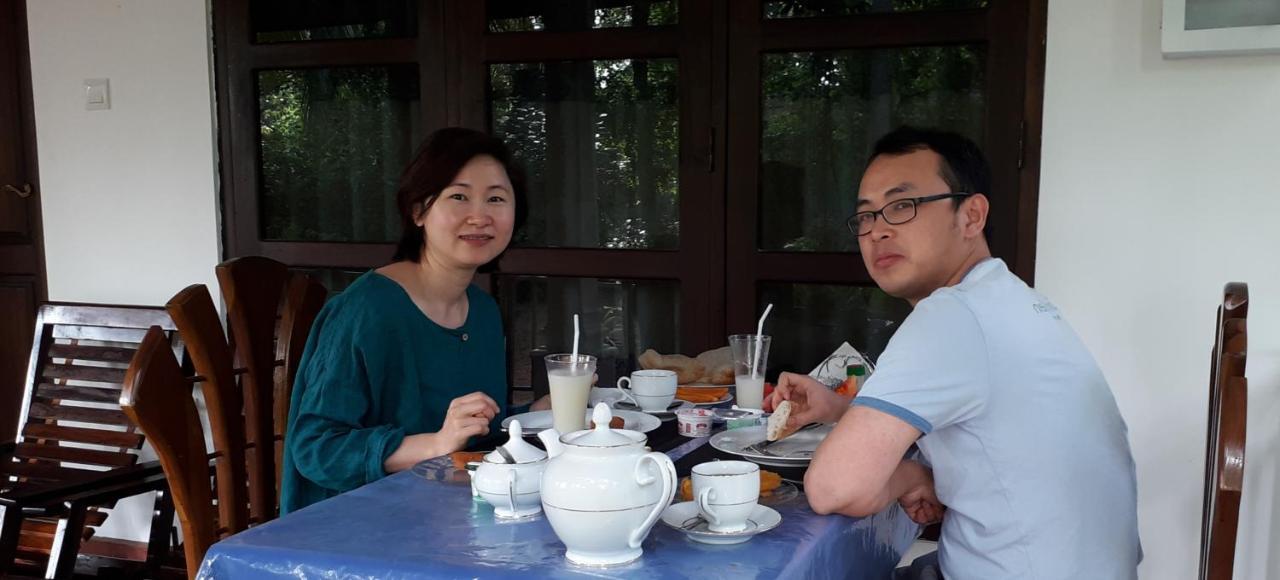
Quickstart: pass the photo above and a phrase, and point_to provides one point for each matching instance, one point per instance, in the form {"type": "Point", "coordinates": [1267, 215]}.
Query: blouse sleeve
{"type": "Point", "coordinates": [330, 444]}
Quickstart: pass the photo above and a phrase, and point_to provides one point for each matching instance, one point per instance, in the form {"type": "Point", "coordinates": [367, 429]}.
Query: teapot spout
{"type": "Point", "coordinates": [551, 440]}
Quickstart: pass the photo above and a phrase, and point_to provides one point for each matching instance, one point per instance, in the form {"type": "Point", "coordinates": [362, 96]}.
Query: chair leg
{"type": "Point", "coordinates": [161, 523]}
{"type": "Point", "coordinates": [66, 543]}
{"type": "Point", "coordinates": [9, 534]}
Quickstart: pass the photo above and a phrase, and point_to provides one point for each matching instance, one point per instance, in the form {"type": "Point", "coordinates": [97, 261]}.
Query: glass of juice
{"type": "Point", "coordinates": [569, 380]}
{"type": "Point", "coordinates": [750, 386]}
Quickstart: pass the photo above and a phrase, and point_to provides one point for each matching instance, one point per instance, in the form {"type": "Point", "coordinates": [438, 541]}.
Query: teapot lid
{"type": "Point", "coordinates": [519, 449]}
{"type": "Point", "coordinates": [602, 435]}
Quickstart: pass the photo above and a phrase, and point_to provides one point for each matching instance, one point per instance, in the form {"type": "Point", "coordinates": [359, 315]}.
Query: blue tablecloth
{"type": "Point", "coordinates": [423, 523]}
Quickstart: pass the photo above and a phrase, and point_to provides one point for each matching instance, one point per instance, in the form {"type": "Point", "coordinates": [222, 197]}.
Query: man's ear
{"type": "Point", "coordinates": [974, 211]}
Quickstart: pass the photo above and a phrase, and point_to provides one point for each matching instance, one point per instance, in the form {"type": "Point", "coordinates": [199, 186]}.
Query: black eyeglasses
{"type": "Point", "coordinates": [896, 212]}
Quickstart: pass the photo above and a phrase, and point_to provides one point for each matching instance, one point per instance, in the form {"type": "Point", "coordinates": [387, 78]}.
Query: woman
{"type": "Point", "coordinates": [408, 363]}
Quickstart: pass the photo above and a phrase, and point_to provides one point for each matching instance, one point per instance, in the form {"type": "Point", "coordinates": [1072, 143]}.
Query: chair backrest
{"type": "Point", "coordinates": [197, 320]}
{"type": "Point", "coordinates": [302, 303]}
{"type": "Point", "coordinates": [74, 377]}
{"type": "Point", "coordinates": [1224, 456]}
{"type": "Point", "coordinates": [252, 287]}
{"type": "Point", "coordinates": [157, 397]}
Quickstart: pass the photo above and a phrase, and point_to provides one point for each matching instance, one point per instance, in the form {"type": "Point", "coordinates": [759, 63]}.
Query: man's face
{"type": "Point", "coordinates": [912, 259]}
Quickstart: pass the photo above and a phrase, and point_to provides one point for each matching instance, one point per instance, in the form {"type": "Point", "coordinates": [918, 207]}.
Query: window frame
{"type": "Point", "coordinates": [719, 44]}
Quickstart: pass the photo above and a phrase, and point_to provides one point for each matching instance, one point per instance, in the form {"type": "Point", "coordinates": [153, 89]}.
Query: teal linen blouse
{"type": "Point", "coordinates": [376, 369]}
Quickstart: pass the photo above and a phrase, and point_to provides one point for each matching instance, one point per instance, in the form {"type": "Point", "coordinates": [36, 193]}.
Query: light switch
{"type": "Point", "coordinates": [97, 94]}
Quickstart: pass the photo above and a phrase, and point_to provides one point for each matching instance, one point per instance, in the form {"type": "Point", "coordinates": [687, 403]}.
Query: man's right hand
{"type": "Point", "coordinates": [811, 401]}
{"type": "Point", "coordinates": [920, 501]}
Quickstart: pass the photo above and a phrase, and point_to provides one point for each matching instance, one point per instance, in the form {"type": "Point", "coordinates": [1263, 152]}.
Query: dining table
{"type": "Point", "coordinates": [425, 523]}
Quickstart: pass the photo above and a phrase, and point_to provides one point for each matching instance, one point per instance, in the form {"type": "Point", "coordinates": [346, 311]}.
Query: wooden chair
{"type": "Point", "coordinates": [302, 303]}
{"type": "Point", "coordinates": [72, 391]}
{"type": "Point", "coordinates": [157, 397]}
{"type": "Point", "coordinates": [1224, 455]}
{"type": "Point", "coordinates": [197, 320]}
{"type": "Point", "coordinates": [252, 288]}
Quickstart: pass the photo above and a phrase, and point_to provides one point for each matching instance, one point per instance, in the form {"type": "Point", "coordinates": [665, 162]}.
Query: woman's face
{"type": "Point", "coordinates": [471, 221]}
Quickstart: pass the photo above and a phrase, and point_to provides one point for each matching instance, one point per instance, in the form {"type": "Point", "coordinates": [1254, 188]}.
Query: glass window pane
{"type": "Point", "coordinates": [619, 320]}
{"type": "Point", "coordinates": [809, 321]}
{"type": "Point", "coordinates": [335, 280]}
{"type": "Point", "coordinates": [822, 113]}
{"type": "Point", "coordinates": [600, 142]}
{"type": "Point", "coordinates": [1207, 14]}
{"type": "Point", "coordinates": [559, 16]}
{"type": "Point", "coordinates": [294, 20]}
{"type": "Point", "coordinates": [829, 8]}
{"type": "Point", "coordinates": [334, 141]}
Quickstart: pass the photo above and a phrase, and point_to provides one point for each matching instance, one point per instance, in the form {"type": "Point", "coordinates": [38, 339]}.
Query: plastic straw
{"type": "Point", "coordinates": [576, 332]}
{"type": "Point", "coordinates": [755, 364]}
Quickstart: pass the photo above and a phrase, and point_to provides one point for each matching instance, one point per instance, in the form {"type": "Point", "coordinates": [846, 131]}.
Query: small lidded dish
{"type": "Point", "coordinates": [510, 478]}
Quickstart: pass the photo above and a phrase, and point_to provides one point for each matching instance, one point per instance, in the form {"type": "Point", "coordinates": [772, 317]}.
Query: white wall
{"type": "Point", "coordinates": [1160, 182]}
{"type": "Point", "coordinates": [129, 194]}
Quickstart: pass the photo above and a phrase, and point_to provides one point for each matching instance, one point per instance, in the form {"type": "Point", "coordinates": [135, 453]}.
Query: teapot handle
{"type": "Point", "coordinates": [667, 471]}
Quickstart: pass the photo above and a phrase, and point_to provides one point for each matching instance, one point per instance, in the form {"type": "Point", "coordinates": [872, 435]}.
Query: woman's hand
{"type": "Point", "coordinates": [468, 416]}
{"type": "Point", "coordinates": [542, 404]}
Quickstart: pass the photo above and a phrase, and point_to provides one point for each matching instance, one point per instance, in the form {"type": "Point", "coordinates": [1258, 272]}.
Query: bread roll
{"type": "Point", "coordinates": [718, 364]}
{"type": "Point", "coordinates": [687, 370]}
{"type": "Point", "coordinates": [777, 428]}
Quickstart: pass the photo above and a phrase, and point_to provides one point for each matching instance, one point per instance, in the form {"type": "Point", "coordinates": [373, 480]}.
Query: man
{"type": "Point", "coordinates": [1028, 450]}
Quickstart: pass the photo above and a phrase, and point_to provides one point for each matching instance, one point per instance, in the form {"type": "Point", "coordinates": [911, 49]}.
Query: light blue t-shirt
{"type": "Point", "coordinates": [1029, 451]}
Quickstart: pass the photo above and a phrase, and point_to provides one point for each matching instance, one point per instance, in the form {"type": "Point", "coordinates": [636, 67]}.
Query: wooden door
{"type": "Point", "coordinates": [21, 254]}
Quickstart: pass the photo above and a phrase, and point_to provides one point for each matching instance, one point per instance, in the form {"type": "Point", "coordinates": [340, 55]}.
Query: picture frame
{"type": "Point", "coordinates": [1199, 28]}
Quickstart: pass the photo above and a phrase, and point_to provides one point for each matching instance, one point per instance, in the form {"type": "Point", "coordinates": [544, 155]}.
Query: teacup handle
{"type": "Point", "coordinates": [704, 506]}
{"type": "Point", "coordinates": [667, 471]}
{"type": "Point", "coordinates": [511, 490]}
{"type": "Point", "coordinates": [625, 393]}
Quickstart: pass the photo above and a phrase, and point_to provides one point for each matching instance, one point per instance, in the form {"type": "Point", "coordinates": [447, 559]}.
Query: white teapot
{"type": "Point", "coordinates": [602, 491]}
{"type": "Point", "coordinates": [512, 487]}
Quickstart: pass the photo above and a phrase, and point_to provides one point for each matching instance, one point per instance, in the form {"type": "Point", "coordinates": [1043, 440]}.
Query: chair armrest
{"type": "Point", "coordinates": [50, 499]}
{"type": "Point", "coordinates": [144, 481]}
{"type": "Point", "coordinates": [119, 490]}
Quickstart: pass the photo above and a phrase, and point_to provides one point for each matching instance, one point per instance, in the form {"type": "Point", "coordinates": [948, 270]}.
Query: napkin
{"type": "Point", "coordinates": [831, 371]}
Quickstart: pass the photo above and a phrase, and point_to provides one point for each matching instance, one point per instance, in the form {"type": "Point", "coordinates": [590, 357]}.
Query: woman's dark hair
{"type": "Point", "coordinates": [433, 168]}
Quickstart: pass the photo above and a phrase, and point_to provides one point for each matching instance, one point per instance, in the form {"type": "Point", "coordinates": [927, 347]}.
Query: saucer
{"type": "Point", "coordinates": [682, 514]}
{"type": "Point", "coordinates": [669, 413]}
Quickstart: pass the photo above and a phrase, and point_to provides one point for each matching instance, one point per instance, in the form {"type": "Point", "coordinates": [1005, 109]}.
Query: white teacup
{"type": "Point", "coordinates": [727, 492]}
{"type": "Point", "coordinates": [651, 390]}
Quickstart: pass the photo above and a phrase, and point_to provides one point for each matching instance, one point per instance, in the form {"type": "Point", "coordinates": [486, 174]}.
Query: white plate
{"type": "Point", "coordinates": [536, 421]}
{"type": "Point", "coordinates": [793, 451]}
{"type": "Point", "coordinates": [668, 414]}
{"type": "Point", "coordinates": [683, 514]}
